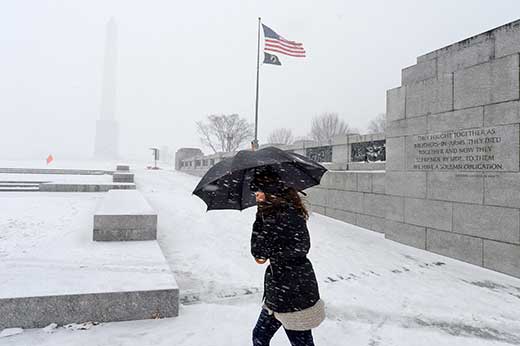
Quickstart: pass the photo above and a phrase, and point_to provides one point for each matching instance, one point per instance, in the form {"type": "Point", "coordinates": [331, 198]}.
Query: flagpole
{"type": "Point", "coordinates": [255, 141]}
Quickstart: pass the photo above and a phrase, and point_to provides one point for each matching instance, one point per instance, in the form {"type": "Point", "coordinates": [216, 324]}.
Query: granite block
{"type": "Point", "coordinates": [378, 182]}
{"type": "Point", "coordinates": [456, 120]}
{"type": "Point", "coordinates": [492, 82]}
{"type": "Point", "coordinates": [345, 200]}
{"type": "Point", "coordinates": [502, 189]}
{"type": "Point", "coordinates": [373, 223]}
{"type": "Point", "coordinates": [423, 212]}
{"type": "Point", "coordinates": [395, 154]}
{"type": "Point", "coordinates": [456, 187]}
{"type": "Point", "coordinates": [430, 96]}
{"type": "Point", "coordinates": [458, 246]}
{"type": "Point", "coordinates": [364, 181]}
{"type": "Point", "coordinates": [395, 104]}
{"type": "Point", "coordinates": [406, 234]}
{"type": "Point", "coordinates": [341, 215]}
{"type": "Point", "coordinates": [409, 184]}
{"type": "Point", "coordinates": [502, 113]}
{"type": "Point", "coordinates": [406, 127]}
{"type": "Point", "coordinates": [419, 72]}
{"type": "Point", "coordinates": [502, 257]}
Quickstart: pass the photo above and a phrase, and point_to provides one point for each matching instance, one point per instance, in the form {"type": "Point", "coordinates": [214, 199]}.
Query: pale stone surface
{"type": "Point", "coordinates": [502, 190]}
{"type": "Point", "coordinates": [38, 312]}
{"type": "Point", "coordinates": [407, 127]}
{"type": "Point", "coordinates": [502, 113]}
{"type": "Point", "coordinates": [406, 234]}
{"type": "Point", "coordinates": [507, 40]}
{"type": "Point", "coordinates": [373, 223]}
{"type": "Point", "coordinates": [502, 257]}
{"type": "Point", "coordinates": [340, 153]}
{"type": "Point", "coordinates": [430, 96]}
{"type": "Point", "coordinates": [395, 154]}
{"type": "Point", "coordinates": [341, 215]}
{"type": "Point", "coordinates": [72, 187]}
{"type": "Point", "coordinates": [366, 166]}
{"type": "Point", "coordinates": [364, 182]}
{"type": "Point", "coordinates": [317, 196]}
{"type": "Point", "coordinates": [496, 223]}
{"type": "Point", "coordinates": [378, 182]}
{"type": "Point", "coordinates": [461, 247]}
{"type": "Point", "coordinates": [119, 177]}
{"type": "Point", "coordinates": [419, 72]}
{"type": "Point", "coordinates": [345, 200]}
{"type": "Point", "coordinates": [456, 187]}
{"type": "Point", "coordinates": [468, 56]}
{"type": "Point", "coordinates": [453, 48]}
{"type": "Point", "coordinates": [423, 212]}
{"type": "Point", "coordinates": [395, 104]}
{"type": "Point", "coordinates": [492, 82]}
{"type": "Point", "coordinates": [384, 206]}
{"type": "Point", "coordinates": [409, 184]}
{"type": "Point", "coordinates": [122, 167]}
{"type": "Point", "coordinates": [461, 119]}
{"type": "Point", "coordinates": [318, 209]}
{"type": "Point", "coordinates": [340, 180]}
{"type": "Point", "coordinates": [124, 215]}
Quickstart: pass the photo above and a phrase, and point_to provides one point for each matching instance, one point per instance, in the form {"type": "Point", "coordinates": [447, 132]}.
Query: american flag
{"type": "Point", "coordinates": [278, 44]}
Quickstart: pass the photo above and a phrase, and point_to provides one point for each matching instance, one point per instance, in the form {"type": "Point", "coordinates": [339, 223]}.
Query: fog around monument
{"type": "Point", "coordinates": [180, 61]}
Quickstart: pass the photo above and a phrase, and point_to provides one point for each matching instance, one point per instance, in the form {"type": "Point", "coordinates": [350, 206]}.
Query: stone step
{"type": "Point", "coordinates": [103, 282]}
{"type": "Point", "coordinates": [18, 188]}
{"type": "Point", "coordinates": [75, 187]}
{"type": "Point", "coordinates": [122, 167]}
{"type": "Point", "coordinates": [123, 177]}
{"type": "Point", "coordinates": [124, 215]}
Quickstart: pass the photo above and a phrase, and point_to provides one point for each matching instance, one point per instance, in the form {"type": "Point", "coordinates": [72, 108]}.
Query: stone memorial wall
{"type": "Point", "coordinates": [453, 151]}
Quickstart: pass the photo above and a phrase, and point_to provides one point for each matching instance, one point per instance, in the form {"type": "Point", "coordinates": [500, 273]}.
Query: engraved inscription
{"type": "Point", "coordinates": [486, 149]}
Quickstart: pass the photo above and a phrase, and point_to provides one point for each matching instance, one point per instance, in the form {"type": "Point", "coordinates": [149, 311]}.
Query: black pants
{"type": "Point", "coordinates": [267, 325]}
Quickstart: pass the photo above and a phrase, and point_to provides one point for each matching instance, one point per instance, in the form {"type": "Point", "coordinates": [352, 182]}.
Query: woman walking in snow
{"type": "Point", "coordinates": [280, 236]}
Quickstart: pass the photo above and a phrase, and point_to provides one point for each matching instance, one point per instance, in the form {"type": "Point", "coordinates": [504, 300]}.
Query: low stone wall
{"type": "Point", "coordinates": [340, 153]}
{"type": "Point", "coordinates": [357, 198]}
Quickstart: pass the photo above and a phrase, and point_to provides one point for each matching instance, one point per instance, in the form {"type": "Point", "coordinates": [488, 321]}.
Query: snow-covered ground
{"type": "Point", "coordinates": [377, 292]}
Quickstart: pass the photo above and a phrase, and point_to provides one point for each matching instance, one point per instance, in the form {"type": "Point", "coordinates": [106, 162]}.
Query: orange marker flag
{"type": "Point", "coordinates": [49, 159]}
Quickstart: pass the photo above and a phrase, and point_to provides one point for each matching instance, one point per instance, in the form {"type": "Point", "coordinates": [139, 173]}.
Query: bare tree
{"type": "Point", "coordinates": [327, 125]}
{"type": "Point", "coordinates": [378, 124]}
{"type": "Point", "coordinates": [281, 136]}
{"type": "Point", "coordinates": [224, 132]}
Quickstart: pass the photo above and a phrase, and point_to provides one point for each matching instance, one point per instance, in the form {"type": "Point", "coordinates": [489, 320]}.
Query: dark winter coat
{"type": "Point", "coordinates": [289, 281]}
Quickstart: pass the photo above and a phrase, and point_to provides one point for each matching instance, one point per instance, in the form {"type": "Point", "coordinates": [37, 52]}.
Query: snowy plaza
{"type": "Point", "coordinates": [377, 292]}
{"type": "Point", "coordinates": [356, 182]}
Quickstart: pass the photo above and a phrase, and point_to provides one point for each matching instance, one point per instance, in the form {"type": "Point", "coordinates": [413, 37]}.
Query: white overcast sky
{"type": "Point", "coordinates": [182, 60]}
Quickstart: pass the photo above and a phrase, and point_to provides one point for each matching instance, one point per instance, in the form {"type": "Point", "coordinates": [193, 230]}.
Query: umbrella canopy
{"type": "Point", "coordinates": [226, 185]}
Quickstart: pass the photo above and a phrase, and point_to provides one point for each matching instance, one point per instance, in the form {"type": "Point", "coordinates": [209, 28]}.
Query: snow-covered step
{"type": "Point", "coordinates": [75, 187]}
{"type": "Point", "coordinates": [101, 283]}
{"type": "Point", "coordinates": [124, 215]}
{"type": "Point", "coordinates": [54, 171]}
{"type": "Point", "coordinates": [123, 177]}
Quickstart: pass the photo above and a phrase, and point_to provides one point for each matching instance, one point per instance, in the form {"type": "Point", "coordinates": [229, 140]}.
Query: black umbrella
{"type": "Point", "coordinates": [226, 185]}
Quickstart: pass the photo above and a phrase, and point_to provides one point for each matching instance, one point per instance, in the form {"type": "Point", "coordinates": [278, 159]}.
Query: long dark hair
{"type": "Point", "coordinates": [287, 198]}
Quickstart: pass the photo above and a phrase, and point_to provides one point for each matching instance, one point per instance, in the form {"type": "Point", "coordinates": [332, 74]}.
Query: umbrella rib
{"type": "Point", "coordinates": [241, 189]}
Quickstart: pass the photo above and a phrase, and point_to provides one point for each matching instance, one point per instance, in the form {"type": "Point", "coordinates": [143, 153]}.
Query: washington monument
{"type": "Point", "coordinates": [107, 131]}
